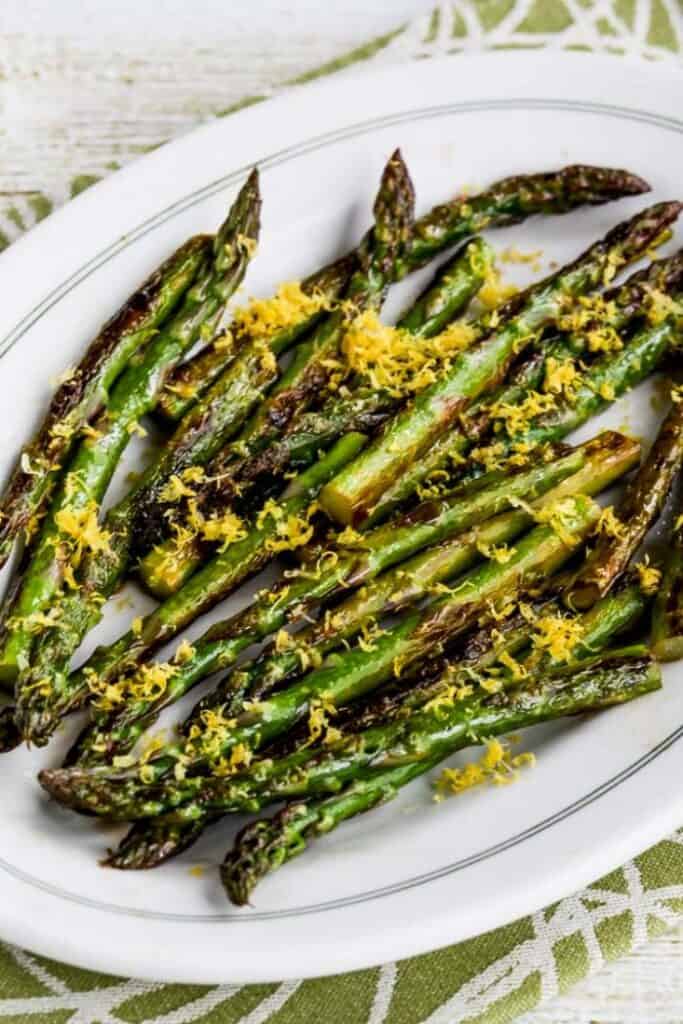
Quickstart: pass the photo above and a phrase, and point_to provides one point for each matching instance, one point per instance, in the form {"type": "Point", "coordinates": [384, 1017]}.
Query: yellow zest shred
{"type": "Point", "coordinates": [184, 653]}
{"type": "Point", "coordinates": [60, 432]}
{"type": "Point", "coordinates": [240, 757]}
{"type": "Point", "coordinates": [561, 377]}
{"type": "Point", "coordinates": [560, 515]}
{"type": "Point", "coordinates": [499, 553]}
{"type": "Point", "coordinates": [648, 577]}
{"type": "Point", "coordinates": [90, 432]}
{"type": "Point", "coordinates": [36, 621]}
{"type": "Point", "coordinates": [349, 537]}
{"type": "Point", "coordinates": [393, 359]}
{"type": "Point", "coordinates": [609, 523]}
{"type": "Point", "coordinates": [82, 531]}
{"type": "Point", "coordinates": [284, 641]}
{"type": "Point", "coordinates": [183, 389]}
{"type": "Point", "coordinates": [148, 683]}
{"type": "Point", "coordinates": [320, 710]}
{"type": "Point", "coordinates": [494, 292]}
{"type": "Point", "coordinates": [514, 667]}
{"type": "Point", "coordinates": [503, 610]}
{"type": "Point", "coordinates": [556, 636]}
{"type": "Point", "coordinates": [289, 306]}
{"type": "Point", "coordinates": [208, 737]}
{"type": "Point", "coordinates": [512, 255]}
{"type": "Point", "coordinates": [495, 767]}
{"type": "Point", "coordinates": [174, 490]}
{"type": "Point", "coordinates": [516, 417]}
{"type": "Point", "coordinates": [606, 391]}
{"type": "Point", "coordinates": [369, 634]}
{"type": "Point", "coordinates": [224, 342]}
{"type": "Point", "coordinates": [661, 306]}
{"type": "Point", "coordinates": [136, 626]}
{"type": "Point", "coordinates": [292, 531]}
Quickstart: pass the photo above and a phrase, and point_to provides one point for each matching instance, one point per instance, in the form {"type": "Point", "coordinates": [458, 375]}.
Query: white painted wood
{"type": "Point", "coordinates": [87, 84]}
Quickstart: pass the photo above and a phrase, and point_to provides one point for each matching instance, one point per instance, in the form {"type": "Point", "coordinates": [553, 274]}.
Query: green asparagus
{"type": "Point", "coordinates": [71, 524]}
{"type": "Point", "coordinates": [217, 415]}
{"type": "Point", "coordinates": [265, 845]}
{"type": "Point", "coordinates": [351, 497]}
{"type": "Point", "coordinates": [85, 390]}
{"type": "Point", "coordinates": [152, 841]}
{"type": "Point", "coordinates": [337, 570]}
{"type": "Point", "coordinates": [412, 580]}
{"type": "Point", "coordinates": [171, 563]}
{"type": "Point", "coordinates": [667, 615]}
{"type": "Point", "coordinates": [593, 326]}
{"type": "Point", "coordinates": [222, 742]}
{"type": "Point", "coordinates": [505, 202]}
{"type": "Point", "coordinates": [40, 713]}
{"type": "Point", "coordinates": [306, 770]}
{"type": "Point", "coordinates": [635, 514]}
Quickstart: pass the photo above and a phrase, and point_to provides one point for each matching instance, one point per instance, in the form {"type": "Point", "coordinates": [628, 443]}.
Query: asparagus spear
{"type": "Point", "coordinates": [78, 613]}
{"type": "Point", "coordinates": [265, 845]}
{"type": "Point", "coordinates": [412, 580]}
{"type": "Point", "coordinates": [620, 306]}
{"type": "Point", "coordinates": [187, 383]}
{"type": "Point", "coordinates": [635, 514]}
{"type": "Point", "coordinates": [613, 615]}
{"type": "Point", "coordinates": [85, 391]}
{"type": "Point", "coordinates": [344, 678]}
{"type": "Point", "coordinates": [152, 841]}
{"type": "Point", "coordinates": [39, 713]}
{"type": "Point", "coordinates": [304, 770]}
{"type": "Point", "coordinates": [339, 569]}
{"type": "Point", "coordinates": [216, 417]}
{"type": "Point", "coordinates": [169, 564]}
{"type": "Point", "coordinates": [667, 616]}
{"type": "Point", "coordinates": [71, 523]}
{"type": "Point", "coordinates": [613, 375]}
{"type": "Point", "coordinates": [351, 497]}
{"type": "Point", "coordinates": [505, 202]}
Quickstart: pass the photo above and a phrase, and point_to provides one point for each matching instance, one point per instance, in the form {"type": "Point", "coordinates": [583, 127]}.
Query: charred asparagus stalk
{"type": "Point", "coordinates": [338, 569]}
{"type": "Point", "coordinates": [344, 678]}
{"type": "Point", "coordinates": [638, 297]}
{"type": "Point", "coordinates": [40, 713]}
{"type": "Point", "coordinates": [305, 771]}
{"type": "Point", "coordinates": [351, 498]}
{"type": "Point", "coordinates": [170, 563]}
{"type": "Point", "coordinates": [505, 202]}
{"type": "Point", "coordinates": [85, 391]}
{"type": "Point", "coordinates": [79, 612]}
{"type": "Point", "coordinates": [667, 616]}
{"type": "Point", "coordinates": [216, 417]}
{"type": "Point", "coordinates": [635, 514]}
{"type": "Point", "coordinates": [266, 845]}
{"type": "Point", "coordinates": [71, 524]}
{"type": "Point", "coordinates": [152, 841]}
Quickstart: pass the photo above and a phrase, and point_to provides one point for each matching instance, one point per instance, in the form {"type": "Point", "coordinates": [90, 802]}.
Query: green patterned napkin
{"type": "Point", "coordinates": [498, 976]}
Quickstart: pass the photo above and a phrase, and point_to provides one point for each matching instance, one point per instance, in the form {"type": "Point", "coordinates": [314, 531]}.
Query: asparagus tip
{"type": "Point", "coordinates": [150, 843]}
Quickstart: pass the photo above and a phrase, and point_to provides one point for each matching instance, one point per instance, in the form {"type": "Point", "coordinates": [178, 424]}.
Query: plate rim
{"type": "Point", "coordinates": [53, 946]}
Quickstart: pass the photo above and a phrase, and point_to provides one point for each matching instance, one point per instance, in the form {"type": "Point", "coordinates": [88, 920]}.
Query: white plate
{"type": "Point", "coordinates": [412, 876]}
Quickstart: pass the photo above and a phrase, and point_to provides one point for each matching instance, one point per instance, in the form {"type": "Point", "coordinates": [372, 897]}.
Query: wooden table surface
{"type": "Point", "coordinates": [87, 85]}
